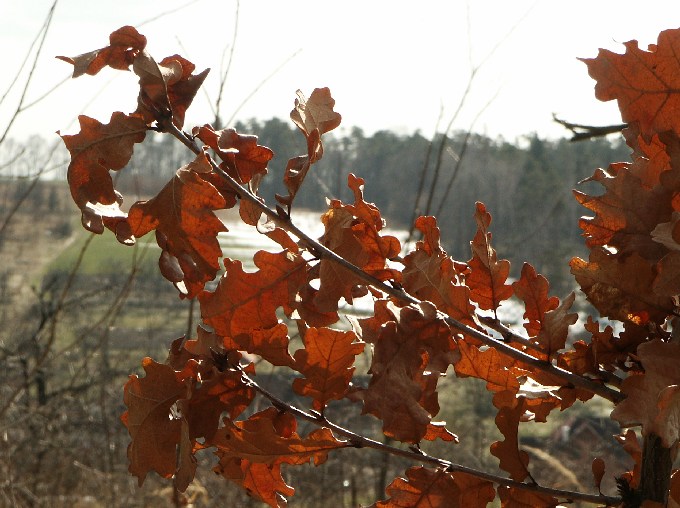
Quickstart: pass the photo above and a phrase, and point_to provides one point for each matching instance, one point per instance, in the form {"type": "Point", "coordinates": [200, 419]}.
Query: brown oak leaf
{"type": "Point", "coordinates": [430, 274]}
{"type": "Point", "coordinates": [411, 352]}
{"type": "Point", "coordinates": [267, 439]}
{"type": "Point", "coordinates": [653, 397]}
{"type": "Point", "coordinates": [242, 158]}
{"type": "Point", "coordinates": [513, 497]}
{"type": "Point", "coordinates": [621, 287]}
{"type": "Point", "coordinates": [169, 409]}
{"type": "Point", "coordinates": [243, 306]}
{"type": "Point", "coordinates": [186, 227]}
{"type": "Point", "coordinates": [487, 276]}
{"type": "Point", "coordinates": [327, 362]}
{"type": "Point", "coordinates": [645, 83]}
{"type": "Point", "coordinates": [353, 232]}
{"type": "Point", "coordinates": [512, 459]}
{"type": "Point", "coordinates": [532, 288]}
{"type": "Point", "coordinates": [125, 44]}
{"type": "Point", "coordinates": [314, 117]}
{"type": "Point", "coordinates": [95, 150]}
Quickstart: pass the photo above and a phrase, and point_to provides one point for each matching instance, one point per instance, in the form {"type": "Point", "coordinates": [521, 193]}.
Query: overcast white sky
{"type": "Point", "coordinates": [390, 64]}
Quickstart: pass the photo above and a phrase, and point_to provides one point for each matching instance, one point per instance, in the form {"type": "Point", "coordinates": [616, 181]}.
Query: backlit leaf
{"type": "Point", "coordinates": [488, 275]}
{"type": "Point", "coordinates": [186, 227]}
{"type": "Point", "coordinates": [95, 150]}
{"type": "Point", "coordinates": [327, 362]}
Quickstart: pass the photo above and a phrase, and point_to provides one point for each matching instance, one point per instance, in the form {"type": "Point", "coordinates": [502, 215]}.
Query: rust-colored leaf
{"type": "Point", "coordinates": [512, 459]}
{"type": "Point", "coordinates": [644, 83]}
{"type": "Point", "coordinates": [422, 488]}
{"type": "Point", "coordinates": [498, 370]}
{"type": "Point", "coordinates": [95, 150]}
{"type": "Point", "coordinates": [167, 410]}
{"type": "Point", "coordinates": [532, 288]}
{"type": "Point", "coordinates": [598, 468]}
{"type": "Point", "coordinates": [430, 274]}
{"type": "Point", "coordinates": [327, 362]}
{"type": "Point", "coordinates": [488, 275]}
{"type": "Point", "coordinates": [621, 287]}
{"type": "Point", "coordinates": [353, 232]}
{"type": "Point", "coordinates": [513, 497]}
{"type": "Point", "coordinates": [653, 397]}
{"type": "Point", "coordinates": [186, 227]}
{"type": "Point", "coordinates": [314, 117]}
{"type": "Point", "coordinates": [242, 158]}
{"type": "Point", "coordinates": [412, 351]}
{"type": "Point", "coordinates": [125, 44]}
{"type": "Point", "coordinates": [243, 306]}
{"type": "Point", "coordinates": [261, 440]}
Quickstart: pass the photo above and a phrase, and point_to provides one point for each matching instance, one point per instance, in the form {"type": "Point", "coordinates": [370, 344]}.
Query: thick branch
{"type": "Point", "coordinates": [360, 441]}
{"type": "Point", "coordinates": [322, 251]}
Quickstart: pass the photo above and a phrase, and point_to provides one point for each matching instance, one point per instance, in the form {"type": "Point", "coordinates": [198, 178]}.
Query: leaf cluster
{"type": "Point", "coordinates": [431, 314]}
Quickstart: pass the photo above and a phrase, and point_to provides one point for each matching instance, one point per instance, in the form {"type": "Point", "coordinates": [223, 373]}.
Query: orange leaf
{"type": "Point", "coordinates": [168, 409]}
{"type": "Point", "coordinates": [488, 275]}
{"type": "Point", "coordinates": [512, 497]}
{"type": "Point", "coordinates": [598, 468]}
{"type": "Point", "coordinates": [512, 459]}
{"type": "Point", "coordinates": [429, 274]}
{"type": "Point", "coordinates": [265, 440]}
{"type": "Point", "coordinates": [413, 350]}
{"type": "Point", "coordinates": [95, 150]}
{"type": "Point", "coordinates": [246, 303]}
{"type": "Point", "coordinates": [645, 83]}
{"type": "Point", "coordinates": [498, 370]}
{"type": "Point", "coordinates": [621, 287]}
{"type": "Point", "coordinates": [327, 362]}
{"type": "Point", "coordinates": [186, 227]}
{"type": "Point", "coordinates": [126, 43]}
{"type": "Point", "coordinates": [314, 117]}
{"type": "Point", "coordinates": [242, 157]}
{"type": "Point", "coordinates": [260, 481]}
{"type": "Point", "coordinates": [353, 232]}
{"type": "Point", "coordinates": [653, 398]}
{"type": "Point", "coordinates": [423, 488]}
{"type": "Point", "coordinates": [532, 288]}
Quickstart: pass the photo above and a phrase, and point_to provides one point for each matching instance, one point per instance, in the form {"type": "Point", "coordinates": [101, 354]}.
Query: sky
{"type": "Point", "coordinates": [397, 65]}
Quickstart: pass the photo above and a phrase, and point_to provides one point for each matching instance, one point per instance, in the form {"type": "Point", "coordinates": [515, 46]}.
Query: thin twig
{"type": "Point", "coordinates": [360, 441]}
{"type": "Point", "coordinates": [322, 251]}
{"type": "Point", "coordinates": [582, 132]}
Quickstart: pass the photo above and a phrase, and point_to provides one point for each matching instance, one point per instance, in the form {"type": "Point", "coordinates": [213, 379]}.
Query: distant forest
{"type": "Point", "coordinates": [527, 185]}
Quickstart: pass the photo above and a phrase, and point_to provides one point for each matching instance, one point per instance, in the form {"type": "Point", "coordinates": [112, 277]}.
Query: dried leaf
{"type": "Point", "coordinates": [125, 45]}
{"type": "Point", "coordinates": [186, 227]}
{"type": "Point", "coordinates": [412, 351]}
{"type": "Point", "coordinates": [512, 459]}
{"type": "Point", "coordinates": [429, 274]}
{"type": "Point", "coordinates": [488, 275]}
{"type": "Point", "coordinates": [95, 150]}
{"type": "Point", "coordinates": [353, 232]}
{"type": "Point", "coordinates": [653, 397]}
{"type": "Point", "coordinates": [513, 497]}
{"type": "Point", "coordinates": [262, 440]}
{"type": "Point", "coordinates": [532, 288]}
{"type": "Point", "coordinates": [598, 468]}
{"type": "Point", "coordinates": [327, 362]}
{"type": "Point", "coordinates": [645, 83]}
{"type": "Point", "coordinates": [314, 117]}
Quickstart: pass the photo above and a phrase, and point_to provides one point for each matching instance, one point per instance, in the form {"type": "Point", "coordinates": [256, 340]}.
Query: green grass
{"type": "Point", "coordinates": [104, 254]}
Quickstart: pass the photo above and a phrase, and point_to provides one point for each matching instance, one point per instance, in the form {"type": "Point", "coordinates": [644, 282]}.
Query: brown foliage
{"type": "Point", "coordinates": [431, 313]}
